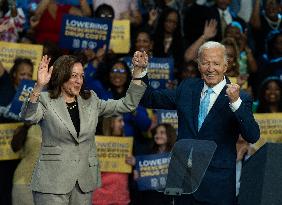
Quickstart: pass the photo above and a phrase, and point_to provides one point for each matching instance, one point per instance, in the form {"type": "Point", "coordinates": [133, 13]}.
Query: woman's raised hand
{"type": "Point", "coordinates": [140, 59]}
{"type": "Point", "coordinates": [140, 63]}
{"type": "Point", "coordinates": [44, 72]}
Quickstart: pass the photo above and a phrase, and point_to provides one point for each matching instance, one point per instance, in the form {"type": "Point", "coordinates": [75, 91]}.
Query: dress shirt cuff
{"type": "Point", "coordinates": [235, 105]}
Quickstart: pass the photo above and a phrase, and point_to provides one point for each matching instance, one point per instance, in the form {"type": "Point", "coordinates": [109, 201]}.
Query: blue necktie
{"type": "Point", "coordinates": [203, 111]}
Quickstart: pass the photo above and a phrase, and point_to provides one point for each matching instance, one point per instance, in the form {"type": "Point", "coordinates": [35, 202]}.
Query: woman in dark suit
{"type": "Point", "coordinates": [67, 170]}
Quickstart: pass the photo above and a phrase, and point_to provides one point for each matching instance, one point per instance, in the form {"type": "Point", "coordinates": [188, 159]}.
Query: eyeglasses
{"type": "Point", "coordinates": [106, 16]}
{"type": "Point", "coordinates": [118, 70]}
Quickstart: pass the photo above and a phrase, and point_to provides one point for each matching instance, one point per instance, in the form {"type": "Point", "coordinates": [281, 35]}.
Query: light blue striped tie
{"type": "Point", "coordinates": [203, 111]}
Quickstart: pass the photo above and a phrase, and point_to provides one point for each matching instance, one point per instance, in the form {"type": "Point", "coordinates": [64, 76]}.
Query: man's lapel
{"type": "Point", "coordinates": [196, 96]}
{"type": "Point", "coordinates": [217, 107]}
{"type": "Point", "coordinates": [60, 108]}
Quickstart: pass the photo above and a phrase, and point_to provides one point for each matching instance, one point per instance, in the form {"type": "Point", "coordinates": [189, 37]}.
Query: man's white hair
{"type": "Point", "coordinates": [212, 44]}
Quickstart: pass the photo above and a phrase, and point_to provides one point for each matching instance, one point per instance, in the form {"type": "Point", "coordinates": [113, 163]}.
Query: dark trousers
{"type": "Point", "coordinates": [7, 169]}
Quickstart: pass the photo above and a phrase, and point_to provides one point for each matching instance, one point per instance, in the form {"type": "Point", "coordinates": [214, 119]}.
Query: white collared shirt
{"type": "Point", "coordinates": [216, 91]}
{"type": "Point", "coordinates": [227, 15]}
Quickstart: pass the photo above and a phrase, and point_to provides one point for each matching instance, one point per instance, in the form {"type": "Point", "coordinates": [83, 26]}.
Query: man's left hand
{"type": "Point", "coordinates": [233, 92]}
{"type": "Point", "coordinates": [140, 63]}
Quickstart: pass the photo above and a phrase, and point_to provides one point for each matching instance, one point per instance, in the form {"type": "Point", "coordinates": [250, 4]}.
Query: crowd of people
{"type": "Point", "coordinates": [182, 30]}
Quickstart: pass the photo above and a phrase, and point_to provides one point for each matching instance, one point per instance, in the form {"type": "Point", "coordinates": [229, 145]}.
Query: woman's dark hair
{"type": "Point", "coordinates": [232, 43]}
{"type": "Point", "coordinates": [136, 34]}
{"type": "Point", "coordinates": [263, 106]}
{"type": "Point", "coordinates": [102, 9]}
{"type": "Point", "coordinates": [17, 63]}
{"type": "Point", "coordinates": [117, 95]}
{"type": "Point", "coordinates": [270, 42]}
{"type": "Point", "coordinates": [171, 136]}
{"type": "Point", "coordinates": [176, 45]}
{"type": "Point", "coordinates": [107, 126]}
{"type": "Point", "coordinates": [62, 71]}
{"type": "Point", "coordinates": [103, 74]}
{"type": "Point", "coordinates": [52, 50]}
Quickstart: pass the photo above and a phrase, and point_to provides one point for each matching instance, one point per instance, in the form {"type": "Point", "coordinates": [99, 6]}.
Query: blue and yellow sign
{"type": "Point", "coordinates": [152, 171]}
{"type": "Point", "coordinates": [112, 152]}
{"type": "Point", "coordinates": [85, 33]}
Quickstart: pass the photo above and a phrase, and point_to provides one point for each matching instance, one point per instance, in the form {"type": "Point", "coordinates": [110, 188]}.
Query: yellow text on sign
{"type": "Point", "coordinates": [112, 152]}
{"type": "Point", "coordinates": [270, 125]}
{"type": "Point", "coordinates": [10, 51]}
{"type": "Point", "coordinates": [120, 36]}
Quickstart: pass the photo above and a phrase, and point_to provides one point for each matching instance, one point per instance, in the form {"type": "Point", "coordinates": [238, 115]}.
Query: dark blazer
{"type": "Point", "coordinates": [221, 126]}
{"type": "Point", "coordinates": [214, 14]}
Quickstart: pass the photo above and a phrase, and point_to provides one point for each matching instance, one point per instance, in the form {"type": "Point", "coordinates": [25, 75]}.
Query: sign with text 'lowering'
{"type": "Point", "coordinates": [112, 152]}
{"type": "Point", "coordinates": [270, 125]}
{"type": "Point", "coordinates": [152, 171]}
{"type": "Point", "coordinates": [160, 70]}
{"type": "Point", "coordinates": [10, 51]}
{"type": "Point", "coordinates": [85, 33]}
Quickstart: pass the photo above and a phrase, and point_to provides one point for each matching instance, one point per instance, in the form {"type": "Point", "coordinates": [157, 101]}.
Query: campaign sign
{"type": "Point", "coordinates": [10, 51]}
{"type": "Point", "coordinates": [85, 33]}
{"type": "Point", "coordinates": [270, 125]}
{"type": "Point", "coordinates": [160, 70]}
{"type": "Point", "coordinates": [22, 93]}
{"type": "Point", "coordinates": [120, 37]}
{"type": "Point", "coordinates": [112, 152]}
{"type": "Point", "coordinates": [152, 170]}
{"type": "Point", "coordinates": [6, 136]}
{"type": "Point", "coordinates": [168, 116]}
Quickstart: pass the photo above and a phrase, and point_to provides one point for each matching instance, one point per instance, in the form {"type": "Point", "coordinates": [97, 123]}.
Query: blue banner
{"type": "Point", "coordinates": [160, 70]}
{"type": "Point", "coordinates": [152, 170]}
{"type": "Point", "coordinates": [71, 2]}
{"type": "Point", "coordinates": [22, 93]}
{"type": "Point", "coordinates": [168, 116]}
{"type": "Point", "coordinates": [82, 32]}
{"type": "Point", "coordinates": [31, 5]}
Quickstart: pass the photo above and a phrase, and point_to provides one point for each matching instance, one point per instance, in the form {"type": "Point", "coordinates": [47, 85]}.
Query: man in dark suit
{"type": "Point", "coordinates": [222, 13]}
{"type": "Point", "coordinates": [210, 108]}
